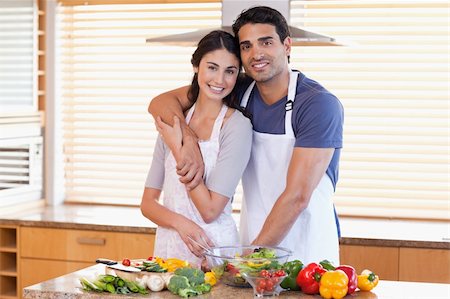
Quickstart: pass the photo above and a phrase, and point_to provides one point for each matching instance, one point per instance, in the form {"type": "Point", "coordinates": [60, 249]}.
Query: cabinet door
{"type": "Point", "coordinates": [425, 265]}
{"type": "Point", "coordinates": [381, 260]}
{"type": "Point", "coordinates": [34, 271]}
{"type": "Point", "coordinates": [83, 245]}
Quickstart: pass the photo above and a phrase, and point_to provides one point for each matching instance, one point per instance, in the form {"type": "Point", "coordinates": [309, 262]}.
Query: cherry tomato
{"type": "Point", "coordinates": [262, 284]}
{"type": "Point", "coordinates": [150, 258]}
{"type": "Point", "coordinates": [269, 285]}
{"type": "Point", "coordinates": [126, 262]}
{"type": "Point", "coordinates": [264, 273]}
{"type": "Point", "coordinates": [279, 273]}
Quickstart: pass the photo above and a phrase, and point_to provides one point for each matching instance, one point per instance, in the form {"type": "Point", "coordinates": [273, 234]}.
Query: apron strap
{"type": "Point", "coordinates": [190, 113]}
{"type": "Point", "coordinates": [292, 89]}
{"type": "Point", "coordinates": [246, 95]}
{"type": "Point", "coordinates": [218, 122]}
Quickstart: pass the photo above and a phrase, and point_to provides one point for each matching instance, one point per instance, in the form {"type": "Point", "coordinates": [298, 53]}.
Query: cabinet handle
{"type": "Point", "coordinates": [91, 241]}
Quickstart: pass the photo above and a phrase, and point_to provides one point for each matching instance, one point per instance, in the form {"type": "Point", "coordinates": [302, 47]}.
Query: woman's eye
{"type": "Point", "coordinates": [213, 68]}
{"type": "Point", "coordinates": [231, 72]}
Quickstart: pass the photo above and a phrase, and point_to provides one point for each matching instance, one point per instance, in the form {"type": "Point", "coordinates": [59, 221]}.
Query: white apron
{"type": "Point", "coordinates": [222, 231]}
{"type": "Point", "coordinates": [313, 237]}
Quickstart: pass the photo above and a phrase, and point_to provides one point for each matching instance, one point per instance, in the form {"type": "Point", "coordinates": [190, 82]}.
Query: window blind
{"type": "Point", "coordinates": [17, 52]}
{"type": "Point", "coordinates": [392, 78]}
{"type": "Point", "coordinates": [109, 74]}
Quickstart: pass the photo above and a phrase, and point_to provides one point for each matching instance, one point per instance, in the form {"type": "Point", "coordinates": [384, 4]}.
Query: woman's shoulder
{"type": "Point", "coordinates": [237, 121]}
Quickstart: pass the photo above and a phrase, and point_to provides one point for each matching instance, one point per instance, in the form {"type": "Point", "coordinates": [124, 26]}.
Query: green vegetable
{"type": "Point", "coordinates": [262, 253]}
{"type": "Point", "coordinates": [195, 276]}
{"type": "Point", "coordinates": [188, 282]}
{"type": "Point", "coordinates": [327, 265]}
{"type": "Point", "coordinates": [110, 288]}
{"type": "Point", "coordinates": [89, 286]}
{"type": "Point", "coordinates": [292, 268]}
{"type": "Point", "coordinates": [178, 282]}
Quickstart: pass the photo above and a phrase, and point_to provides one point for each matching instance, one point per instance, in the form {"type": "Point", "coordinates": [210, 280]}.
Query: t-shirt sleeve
{"type": "Point", "coordinates": [235, 146]}
{"type": "Point", "coordinates": [319, 122]}
{"type": "Point", "coordinates": [155, 176]}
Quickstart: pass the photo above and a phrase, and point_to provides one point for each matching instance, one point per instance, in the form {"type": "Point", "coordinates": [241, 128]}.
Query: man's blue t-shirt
{"type": "Point", "coordinates": [317, 118]}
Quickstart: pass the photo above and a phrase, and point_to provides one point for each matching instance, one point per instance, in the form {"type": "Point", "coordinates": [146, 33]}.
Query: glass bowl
{"type": "Point", "coordinates": [230, 262]}
{"type": "Point", "coordinates": [265, 283]}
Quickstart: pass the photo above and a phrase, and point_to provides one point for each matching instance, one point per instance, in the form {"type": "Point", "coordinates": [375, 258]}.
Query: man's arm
{"type": "Point", "coordinates": [167, 105]}
{"type": "Point", "coordinates": [306, 169]}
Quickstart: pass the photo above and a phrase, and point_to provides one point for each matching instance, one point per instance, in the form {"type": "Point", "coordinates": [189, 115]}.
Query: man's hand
{"type": "Point", "coordinates": [171, 135]}
{"type": "Point", "coordinates": [190, 165]}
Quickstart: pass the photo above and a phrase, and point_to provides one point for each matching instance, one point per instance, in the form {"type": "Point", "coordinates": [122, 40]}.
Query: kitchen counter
{"type": "Point", "coordinates": [68, 287]}
{"type": "Point", "coordinates": [355, 231]}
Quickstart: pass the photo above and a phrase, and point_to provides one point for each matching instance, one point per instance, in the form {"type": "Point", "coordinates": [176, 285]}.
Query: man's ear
{"type": "Point", "coordinates": [287, 45]}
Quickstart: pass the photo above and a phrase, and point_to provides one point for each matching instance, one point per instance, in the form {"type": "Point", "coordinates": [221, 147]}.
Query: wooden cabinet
{"type": "Point", "coordinates": [62, 251]}
{"type": "Point", "coordinates": [9, 269]}
{"type": "Point", "coordinates": [399, 263]}
{"type": "Point", "coordinates": [381, 260]}
{"type": "Point", "coordinates": [424, 265]}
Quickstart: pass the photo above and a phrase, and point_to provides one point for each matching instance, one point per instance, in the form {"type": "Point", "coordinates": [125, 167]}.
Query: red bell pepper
{"type": "Point", "coordinates": [309, 277]}
{"type": "Point", "coordinates": [352, 277]}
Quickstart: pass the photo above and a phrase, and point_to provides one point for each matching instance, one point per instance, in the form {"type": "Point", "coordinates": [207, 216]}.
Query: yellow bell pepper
{"type": "Point", "coordinates": [210, 278]}
{"type": "Point", "coordinates": [367, 280]}
{"type": "Point", "coordinates": [171, 264]}
{"type": "Point", "coordinates": [333, 284]}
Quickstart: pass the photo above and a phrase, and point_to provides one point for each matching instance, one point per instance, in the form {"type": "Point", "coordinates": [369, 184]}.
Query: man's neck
{"type": "Point", "coordinates": [275, 89]}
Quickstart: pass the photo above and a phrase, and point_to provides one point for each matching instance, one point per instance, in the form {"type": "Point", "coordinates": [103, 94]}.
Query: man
{"type": "Point", "coordinates": [293, 168]}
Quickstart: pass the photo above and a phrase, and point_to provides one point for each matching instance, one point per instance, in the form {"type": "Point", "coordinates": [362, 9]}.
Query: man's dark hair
{"type": "Point", "coordinates": [262, 15]}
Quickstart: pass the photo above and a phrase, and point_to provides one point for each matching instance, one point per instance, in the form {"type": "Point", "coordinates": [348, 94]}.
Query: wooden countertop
{"type": "Point", "coordinates": [355, 231]}
{"type": "Point", "coordinates": [68, 287]}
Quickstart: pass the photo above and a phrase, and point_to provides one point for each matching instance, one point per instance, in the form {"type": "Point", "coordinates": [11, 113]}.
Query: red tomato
{"type": "Point", "coordinates": [269, 285]}
{"type": "Point", "coordinates": [126, 262]}
{"type": "Point", "coordinates": [262, 284]}
{"type": "Point", "coordinates": [264, 273]}
{"type": "Point", "coordinates": [279, 273]}
{"type": "Point", "coordinates": [150, 258]}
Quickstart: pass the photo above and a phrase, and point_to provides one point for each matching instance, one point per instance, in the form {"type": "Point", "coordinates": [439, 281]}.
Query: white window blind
{"type": "Point", "coordinates": [109, 74]}
{"type": "Point", "coordinates": [392, 79]}
{"type": "Point", "coordinates": [17, 56]}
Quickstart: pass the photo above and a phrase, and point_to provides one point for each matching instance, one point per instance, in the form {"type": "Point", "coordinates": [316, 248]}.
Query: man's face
{"type": "Point", "coordinates": [263, 55]}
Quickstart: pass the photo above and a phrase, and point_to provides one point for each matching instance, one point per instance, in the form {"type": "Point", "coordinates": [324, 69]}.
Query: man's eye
{"type": "Point", "coordinates": [245, 47]}
{"type": "Point", "coordinates": [267, 43]}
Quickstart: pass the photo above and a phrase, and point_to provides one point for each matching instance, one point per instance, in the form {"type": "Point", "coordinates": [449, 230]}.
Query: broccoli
{"type": "Point", "coordinates": [188, 293]}
{"type": "Point", "coordinates": [188, 282]}
{"type": "Point", "coordinates": [195, 276]}
{"type": "Point", "coordinates": [178, 282]}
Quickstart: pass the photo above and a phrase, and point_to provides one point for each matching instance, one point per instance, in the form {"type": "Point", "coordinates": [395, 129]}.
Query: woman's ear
{"type": "Point", "coordinates": [195, 69]}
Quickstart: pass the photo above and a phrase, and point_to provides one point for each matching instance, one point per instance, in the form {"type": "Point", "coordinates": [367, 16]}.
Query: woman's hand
{"type": "Point", "coordinates": [190, 233]}
{"type": "Point", "coordinates": [172, 136]}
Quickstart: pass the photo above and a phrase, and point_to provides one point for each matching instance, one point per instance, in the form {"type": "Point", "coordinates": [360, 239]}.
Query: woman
{"type": "Point", "coordinates": [203, 213]}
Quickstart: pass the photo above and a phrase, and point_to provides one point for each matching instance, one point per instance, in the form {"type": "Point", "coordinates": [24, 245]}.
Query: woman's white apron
{"type": "Point", "coordinates": [222, 231]}
{"type": "Point", "coordinates": [313, 237]}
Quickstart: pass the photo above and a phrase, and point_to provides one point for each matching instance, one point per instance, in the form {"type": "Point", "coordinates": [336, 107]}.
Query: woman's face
{"type": "Point", "coordinates": [217, 74]}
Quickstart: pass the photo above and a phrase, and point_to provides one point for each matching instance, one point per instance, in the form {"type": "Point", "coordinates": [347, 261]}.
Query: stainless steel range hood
{"type": "Point", "coordinates": [231, 9]}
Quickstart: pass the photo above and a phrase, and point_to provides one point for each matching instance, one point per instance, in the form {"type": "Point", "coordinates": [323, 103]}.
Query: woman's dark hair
{"type": "Point", "coordinates": [215, 40]}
